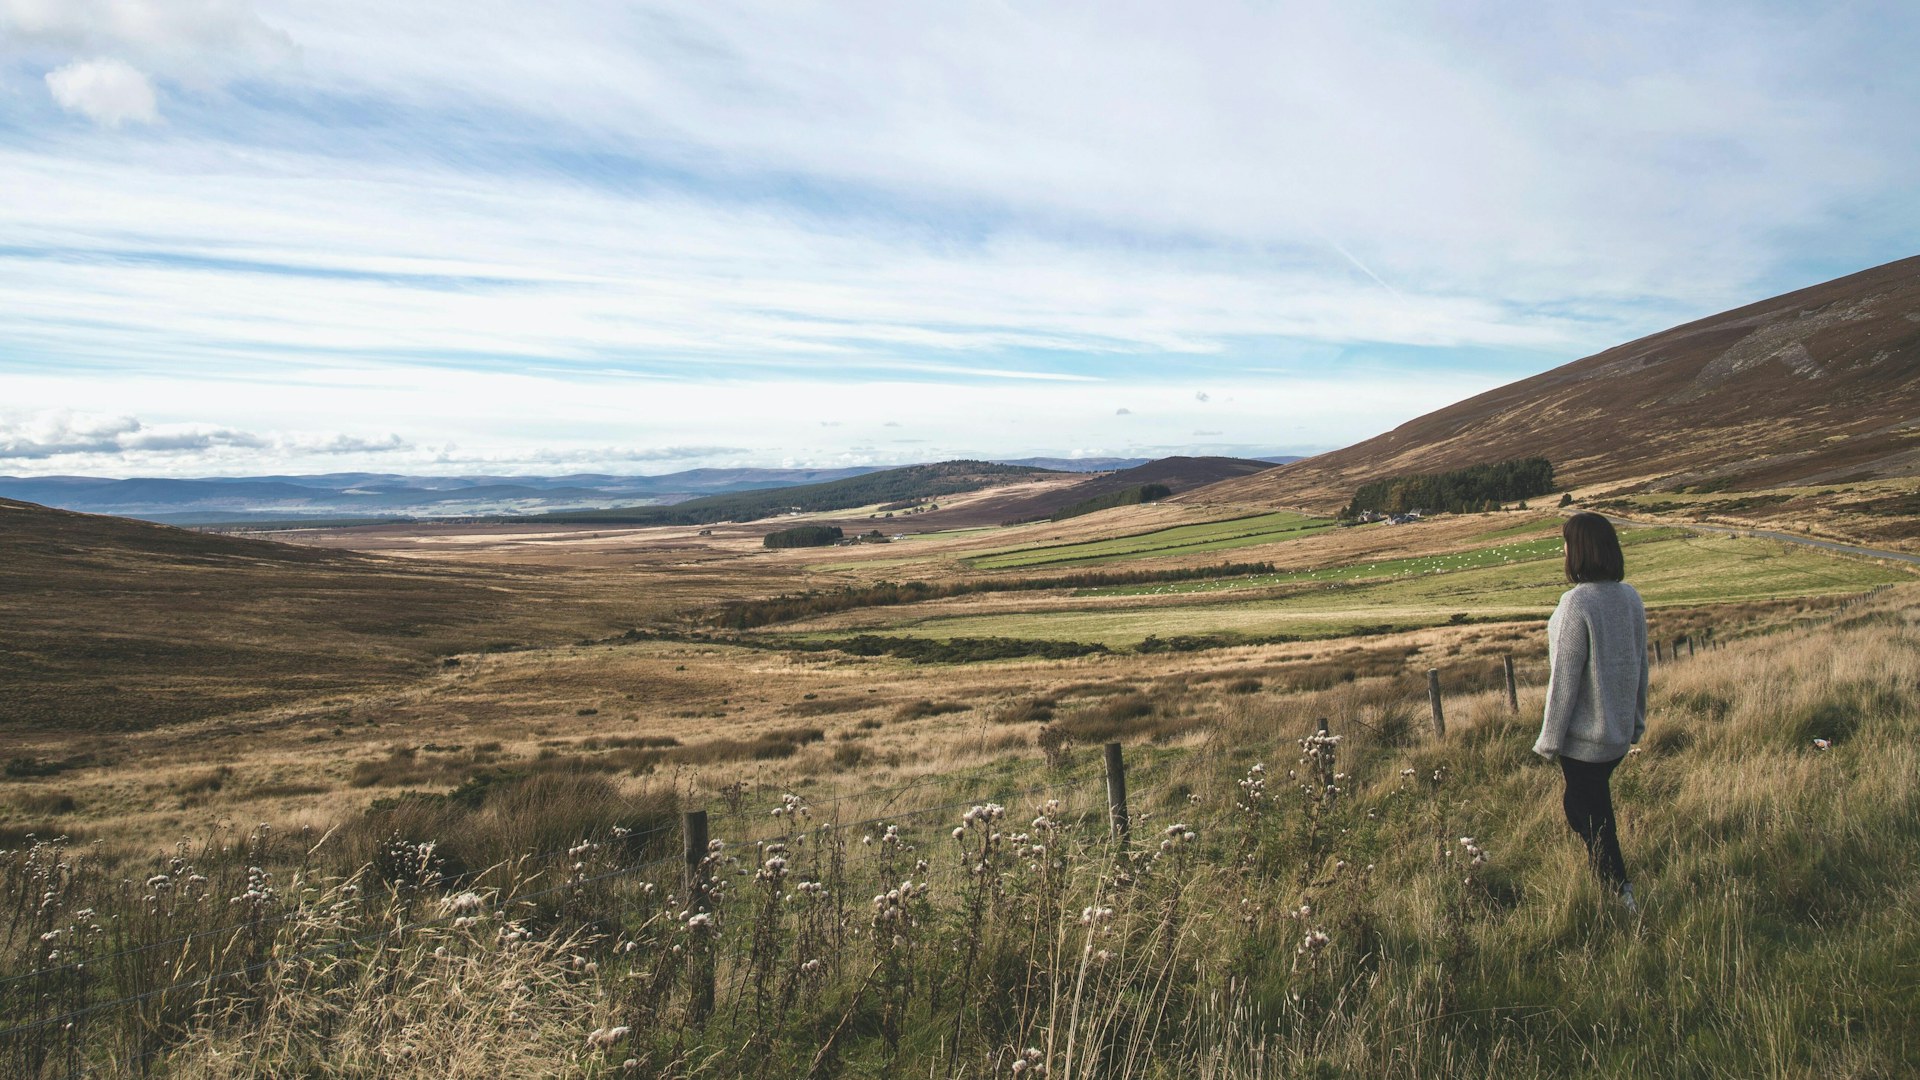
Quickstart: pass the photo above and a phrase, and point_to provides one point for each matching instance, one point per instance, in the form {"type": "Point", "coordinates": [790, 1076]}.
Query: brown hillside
{"type": "Point", "coordinates": [1177, 473]}
{"type": "Point", "coordinates": [1817, 386]}
{"type": "Point", "coordinates": [108, 624]}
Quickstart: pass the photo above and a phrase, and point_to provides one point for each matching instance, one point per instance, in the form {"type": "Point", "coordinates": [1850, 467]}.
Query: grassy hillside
{"type": "Point", "coordinates": [1383, 903]}
{"type": "Point", "coordinates": [1179, 540]}
{"type": "Point", "coordinates": [914, 482]}
{"type": "Point", "coordinates": [1133, 496]}
{"type": "Point", "coordinates": [115, 625]}
{"type": "Point", "coordinates": [1718, 404]}
{"type": "Point", "coordinates": [1176, 474]}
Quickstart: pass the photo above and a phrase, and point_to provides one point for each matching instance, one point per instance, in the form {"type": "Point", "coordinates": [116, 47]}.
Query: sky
{"type": "Point", "coordinates": [241, 237]}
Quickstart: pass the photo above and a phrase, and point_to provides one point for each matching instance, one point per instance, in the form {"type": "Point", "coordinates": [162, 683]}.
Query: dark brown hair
{"type": "Point", "coordinates": [1593, 549]}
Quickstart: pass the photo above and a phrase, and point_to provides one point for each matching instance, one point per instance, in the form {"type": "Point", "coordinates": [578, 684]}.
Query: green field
{"type": "Point", "coordinates": [1194, 539]}
{"type": "Point", "coordinates": [1534, 526]}
{"type": "Point", "coordinates": [948, 534]}
{"type": "Point", "coordinates": [1501, 555]}
{"type": "Point", "coordinates": [1507, 581]}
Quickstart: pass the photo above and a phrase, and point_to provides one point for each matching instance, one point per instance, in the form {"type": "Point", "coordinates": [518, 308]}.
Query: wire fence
{"type": "Point", "coordinates": [525, 898]}
{"type": "Point", "coordinates": [932, 780]}
{"type": "Point", "coordinates": [999, 784]}
{"type": "Point", "coordinates": [929, 780]}
{"type": "Point", "coordinates": [1527, 675]}
{"type": "Point", "coordinates": [255, 924]}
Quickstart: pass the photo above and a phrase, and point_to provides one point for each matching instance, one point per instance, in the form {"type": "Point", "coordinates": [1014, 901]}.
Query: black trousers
{"type": "Point", "coordinates": [1589, 803]}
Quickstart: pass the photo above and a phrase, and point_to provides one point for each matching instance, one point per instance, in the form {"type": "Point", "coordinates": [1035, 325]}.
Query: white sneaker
{"type": "Point", "coordinates": [1626, 897]}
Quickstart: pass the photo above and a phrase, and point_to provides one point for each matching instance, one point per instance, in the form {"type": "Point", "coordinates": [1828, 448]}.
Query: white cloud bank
{"type": "Point", "coordinates": [106, 91]}
{"type": "Point", "coordinates": [47, 437]}
{"type": "Point", "coordinates": [462, 422]}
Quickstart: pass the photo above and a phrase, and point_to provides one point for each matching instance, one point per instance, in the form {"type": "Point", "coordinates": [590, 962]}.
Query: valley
{"type": "Point", "coordinates": [537, 642]}
{"type": "Point", "coordinates": [486, 732]}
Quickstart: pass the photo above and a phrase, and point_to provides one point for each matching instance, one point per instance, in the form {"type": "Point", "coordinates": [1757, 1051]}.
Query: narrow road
{"type": "Point", "coordinates": [1791, 538]}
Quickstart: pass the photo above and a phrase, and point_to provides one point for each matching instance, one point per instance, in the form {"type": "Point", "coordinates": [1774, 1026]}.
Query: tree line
{"type": "Point", "coordinates": [804, 536]}
{"type": "Point", "coordinates": [1476, 487]}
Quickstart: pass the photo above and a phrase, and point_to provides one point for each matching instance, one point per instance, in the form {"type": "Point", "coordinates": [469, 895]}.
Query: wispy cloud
{"type": "Point", "coordinates": [63, 434]}
{"type": "Point", "coordinates": [197, 42]}
{"type": "Point", "coordinates": [517, 423]}
{"type": "Point", "coordinates": [106, 91]}
{"type": "Point", "coordinates": [429, 201]}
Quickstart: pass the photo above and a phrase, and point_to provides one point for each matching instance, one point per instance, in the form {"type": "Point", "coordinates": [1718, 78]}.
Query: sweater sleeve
{"type": "Point", "coordinates": [1640, 715]}
{"type": "Point", "coordinates": [1568, 645]}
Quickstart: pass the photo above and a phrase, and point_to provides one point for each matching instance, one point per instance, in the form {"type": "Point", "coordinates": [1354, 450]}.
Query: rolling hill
{"type": "Point", "coordinates": [111, 624]}
{"type": "Point", "coordinates": [224, 500]}
{"type": "Point", "coordinates": [908, 484]}
{"type": "Point", "coordinates": [1177, 474]}
{"type": "Point", "coordinates": [1818, 386]}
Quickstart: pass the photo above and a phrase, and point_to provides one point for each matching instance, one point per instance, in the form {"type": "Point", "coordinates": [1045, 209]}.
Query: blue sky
{"type": "Point", "coordinates": [248, 236]}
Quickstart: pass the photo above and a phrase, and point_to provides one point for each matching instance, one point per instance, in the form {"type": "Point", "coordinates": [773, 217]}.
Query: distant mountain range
{"type": "Point", "coordinates": [906, 486]}
{"type": "Point", "coordinates": [1063, 464]}
{"type": "Point", "coordinates": [236, 500]}
{"type": "Point", "coordinates": [1817, 386]}
{"type": "Point", "coordinates": [1114, 464]}
{"type": "Point", "coordinates": [355, 495]}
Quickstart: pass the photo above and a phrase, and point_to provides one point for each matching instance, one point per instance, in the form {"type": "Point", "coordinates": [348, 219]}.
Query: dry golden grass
{"type": "Point", "coordinates": [589, 706]}
{"type": "Point", "coordinates": [1775, 876]}
{"type": "Point", "coordinates": [427, 709]}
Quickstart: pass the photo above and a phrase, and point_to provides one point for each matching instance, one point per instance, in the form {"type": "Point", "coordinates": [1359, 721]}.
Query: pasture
{"type": "Point", "coordinates": [1670, 568]}
{"type": "Point", "coordinates": [1195, 539]}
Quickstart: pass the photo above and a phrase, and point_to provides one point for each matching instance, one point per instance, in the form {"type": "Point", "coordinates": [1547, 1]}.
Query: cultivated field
{"type": "Point", "coordinates": [1499, 582]}
{"type": "Point", "coordinates": [1198, 539]}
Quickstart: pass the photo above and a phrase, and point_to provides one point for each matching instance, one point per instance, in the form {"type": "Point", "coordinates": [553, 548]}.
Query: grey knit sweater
{"type": "Point", "coordinates": [1597, 692]}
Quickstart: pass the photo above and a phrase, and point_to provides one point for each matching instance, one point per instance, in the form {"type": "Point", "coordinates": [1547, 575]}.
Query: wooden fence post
{"type": "Point", "coordinates": [1658, 656]}
{"type": "Point", "coordinates": [1433, 699]}
{"type": "Point", "coordinates": [699, 892]}
{"type": "Point", "coordinates": [1117, 793]}
{"type": "Point", "coordinates": [1689, 641]}
{"type": "Point", "coordinates": [1513, 688]}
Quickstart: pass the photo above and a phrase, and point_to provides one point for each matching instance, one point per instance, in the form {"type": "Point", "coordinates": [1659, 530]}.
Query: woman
{"type": "Point", "coordinates": [1597, 689]}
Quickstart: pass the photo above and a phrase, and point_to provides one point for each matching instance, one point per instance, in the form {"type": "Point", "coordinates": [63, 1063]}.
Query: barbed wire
{"type": "Point", "coordinates": [1073, 782]}
{"type": "Point", "coordinates": [210, 932]}
{"type": "Point", "coordinates": [929, 780]}
{"type": "Point", "coordinates": [322, 950]}
{"type": "Point", "coordinates": [195, 935]}
{"type": "Point", "coordinates": [97, 1008]}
